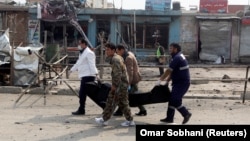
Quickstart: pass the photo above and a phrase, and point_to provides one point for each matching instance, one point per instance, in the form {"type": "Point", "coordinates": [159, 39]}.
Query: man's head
{"type": "Point", "coordinates": [110, 49]}
{"type": "Point", "coordinates": [82, 43]}
{"type": "Point", "coordinates": [157, 44]}
{"type": "Point", "coordinates": [121, 49]}
{"type": "Point", "coordinates": [174, 48]}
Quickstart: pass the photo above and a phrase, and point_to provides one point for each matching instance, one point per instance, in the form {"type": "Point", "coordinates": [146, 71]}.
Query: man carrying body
{"type": "Point", "coordinates": [178, 72]}
{"type": "Point", "coordinates": [87, 71]}
{"type": "Point", "coordinates": [134, 75]}
{"type": "Point", "coordinates": [118, 94]}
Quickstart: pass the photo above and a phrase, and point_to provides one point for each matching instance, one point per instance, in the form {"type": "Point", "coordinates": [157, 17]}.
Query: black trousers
{"type": "Point", "coordinates": [82, 93]}
{"type": "Point", "coordinates": [161, 69]}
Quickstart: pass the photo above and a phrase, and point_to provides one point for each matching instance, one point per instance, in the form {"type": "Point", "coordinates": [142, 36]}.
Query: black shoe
{"type": "Point", "coordinates": [186, 118]}
{"type": "Point", "coordinates": [166, 120]}
{"type": "Point", "coordinates": [78, 112]}
{"type": "Point", "coordinates": [141, 113]}
{"type": "Point", "coordinates": [118, 113]}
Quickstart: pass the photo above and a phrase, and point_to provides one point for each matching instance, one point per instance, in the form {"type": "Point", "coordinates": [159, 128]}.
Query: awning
{"type": "Point", "coordinates": [219, 17]}
{"type": "Point", "coordinates": [152, 20]}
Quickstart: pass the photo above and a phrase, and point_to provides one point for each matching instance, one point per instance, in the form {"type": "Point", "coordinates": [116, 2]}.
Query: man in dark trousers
{"type": "Point", "coordinates": [160, 57]}
{"type": "Point", "coordinates": [178, 72]}
{"type": "Point", "coordinates": [118, 95]}
{"type": "Point", "coordinates": [134, 75]}
{"type": "Point", "coordinates": [87, 71]}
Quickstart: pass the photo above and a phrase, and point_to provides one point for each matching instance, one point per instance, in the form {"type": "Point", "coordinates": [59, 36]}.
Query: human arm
{"type": "Point", "coordinates": [165, 76]}
{"type": "Point", "coordinates": [162, 51]}
{"type": "Point", "coordinates": [130, 69]}
{"type": "Point", "coordinates": [116, 74]}
{"type": "Point", "coordinates": [76, 65]}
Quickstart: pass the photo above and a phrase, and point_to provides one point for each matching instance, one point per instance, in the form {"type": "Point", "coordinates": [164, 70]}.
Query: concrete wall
{"type": "Point", "coordinates": [188, 36]}
{"type": "Point", "coordinates": [183, 30]}
{"type": "Point", "coordinates": [174, 30]}
{"type": "Point", "coordinates": [235, 43]}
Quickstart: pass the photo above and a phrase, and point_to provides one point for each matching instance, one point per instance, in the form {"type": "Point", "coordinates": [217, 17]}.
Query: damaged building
{"type": "Point", "coordinates": [204, 36]}
{"type": "Point", "coordinates": [218, 33]}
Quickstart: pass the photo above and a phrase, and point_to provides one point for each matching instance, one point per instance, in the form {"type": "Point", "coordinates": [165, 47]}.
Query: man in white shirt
{"type": "Point", "coordinates": [87, 71]}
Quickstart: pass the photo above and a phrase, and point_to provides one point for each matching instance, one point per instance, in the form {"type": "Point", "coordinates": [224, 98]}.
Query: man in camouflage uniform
{"type": "Point", "coordinates": [134, 75]}
{"type": "Point", "coordinates": [118, 94]}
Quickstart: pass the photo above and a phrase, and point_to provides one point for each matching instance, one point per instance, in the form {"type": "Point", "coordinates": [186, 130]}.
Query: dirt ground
{"type": "Point", "coordinates": [48, 118]}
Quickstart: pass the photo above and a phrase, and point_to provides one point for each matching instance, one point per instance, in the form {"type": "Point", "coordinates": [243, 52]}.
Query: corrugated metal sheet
{"type": "Point", "coordinates": [215, 37]}
{"type": "Point", "coordinates": [244, 41]}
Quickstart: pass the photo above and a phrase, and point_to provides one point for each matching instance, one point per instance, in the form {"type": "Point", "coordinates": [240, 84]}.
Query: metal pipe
{"type": "Point", "coordinates": [245, 87]}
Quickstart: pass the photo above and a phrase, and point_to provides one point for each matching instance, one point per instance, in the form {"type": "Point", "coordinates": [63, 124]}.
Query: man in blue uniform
{"type": "Point", "coordinates": [178, 72]}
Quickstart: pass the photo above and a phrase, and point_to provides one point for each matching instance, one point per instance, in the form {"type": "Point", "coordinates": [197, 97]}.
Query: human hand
{"type": "Point", "coordinates": [158, 82]}
{"type": "Point", "coordinates": [97, 77]}
{"type": "Point", "coordinates": [113, 88]}
{"type": "Point", "coordinates": [129, 88]}
{"type": "Point", "coordinates": [166, 83]}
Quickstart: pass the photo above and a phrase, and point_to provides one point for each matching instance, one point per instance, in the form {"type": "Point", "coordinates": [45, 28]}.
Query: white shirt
{"type": "Point", "coordinates": [86, 64]}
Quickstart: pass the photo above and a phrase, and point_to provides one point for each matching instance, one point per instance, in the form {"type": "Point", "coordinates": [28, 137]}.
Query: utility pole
{"type": "Point", "coordinates": [135, 32]}
{"type": "Point", "coordinates": [121, 4]}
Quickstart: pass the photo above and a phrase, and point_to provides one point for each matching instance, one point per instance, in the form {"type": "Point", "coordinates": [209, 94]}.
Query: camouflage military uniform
{"type": "Point", "coordinates": [120, 96]}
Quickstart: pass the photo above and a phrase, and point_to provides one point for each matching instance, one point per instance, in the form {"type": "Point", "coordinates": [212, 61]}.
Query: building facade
{"type": "Point", "coordinates": [218, 33]}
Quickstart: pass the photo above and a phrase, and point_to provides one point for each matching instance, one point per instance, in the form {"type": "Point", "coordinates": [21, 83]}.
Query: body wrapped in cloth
{"type": "Point", "coordinates": [98, 92]}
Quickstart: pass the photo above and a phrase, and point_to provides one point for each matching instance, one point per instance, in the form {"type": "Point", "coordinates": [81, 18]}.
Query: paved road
{"type": "Point", "coordinates": [30, 119]}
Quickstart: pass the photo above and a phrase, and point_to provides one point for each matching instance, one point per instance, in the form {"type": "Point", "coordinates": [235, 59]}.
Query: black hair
{"type": "Point", "coordinates": [177, 46]}
{"type": "Point", "coordinates": [83, 41]}
{"type": "Point", "coordinates": [111, 46]}
{"type": "Point", "coordinates": [121, 46]}
{"type": "Point", "coordinates": [157, 44]}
